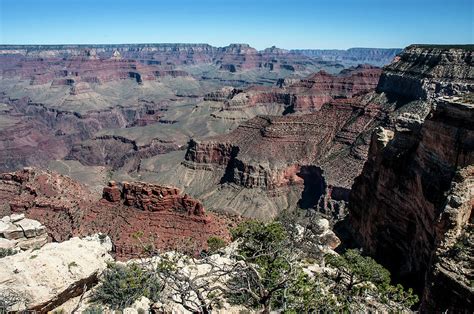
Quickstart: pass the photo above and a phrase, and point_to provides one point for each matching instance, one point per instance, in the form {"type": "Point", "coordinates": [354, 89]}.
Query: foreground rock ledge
{"type": "Point", "coordinates": [50, 276]}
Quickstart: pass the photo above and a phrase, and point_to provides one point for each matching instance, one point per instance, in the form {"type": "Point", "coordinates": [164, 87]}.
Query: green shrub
{"type": "Point", "coordinates": [71, 265]}
{"type": "Point", "coordinates": [122, 285]}
{"type": "Point", "coordinates": [93, 309]}
{"type": "Point", "coordinates": [7, 252]}
{"type": "Point", "coordinates": [356, 273]}
{"type": "Point", "coordinates": [215, 244]}
{"type": "Point", "coordinates": [102, 237]}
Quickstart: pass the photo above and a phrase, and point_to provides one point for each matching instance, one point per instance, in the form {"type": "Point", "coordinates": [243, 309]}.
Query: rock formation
{"type": "Point", "coordinates": [309, 151]}
{"type": "Point", "coordinates": [304, 95]}
{"type": "Point", "coordinates": [414, 200]}
{"type": "Point", "coordinates": [48, 277]}
{"type": "Point", "coordinates": [423, 71]}
{"type": "Point", "coordinates": [71, 65]}
{"type": "Point", "coordinates": [20, 233]}
{"type": "Point", "coordinates": [163, 215]}
{"type": "Point", "coordinates": [374, 56]}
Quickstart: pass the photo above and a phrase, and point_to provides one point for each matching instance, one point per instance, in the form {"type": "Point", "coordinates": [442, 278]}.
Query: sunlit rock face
{"type": "Point", "coordinates": [163, 215]}
{"type": "Point", "coordinates": [413, 200]}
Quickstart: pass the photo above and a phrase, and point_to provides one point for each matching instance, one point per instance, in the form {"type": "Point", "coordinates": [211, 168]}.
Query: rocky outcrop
{"type": "Point", "coordinates": [48, 277]}
{"type": "Point", "coordinates": [163, 215]}
{"type": "Point", "coordinates": [423, 71]}
{"type": "Point", "coordinates": [118, 151]}
{"type": "Point", "coordinates": [452, 266]}
{"type": "Point", "coordinates": [273, 152]}
{"type": "Point", "coordinates": [314, 91]}
{"type": "Point", "coordinates": [54, 200]}
{"type": "Point", "coordinates": [414, 198]}
{"type": "Point", "coordinates": [227, 92]}
{"type": "Point", "coordinates": [281, 145]}
{"type": "Point", "coordinates": [20, 233]}
{"type": "Point", "coordinates": [210, 152]}
{"type": "Point", "coordinates": [308, 94]}
{"type": "Point", "coordinates": [152, 197]}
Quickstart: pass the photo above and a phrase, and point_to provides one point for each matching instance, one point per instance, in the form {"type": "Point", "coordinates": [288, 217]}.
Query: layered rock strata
{"type": "Point", "coordinates": [423, 72]}
{"type": "Point", "coordinates": [42, 134]}
{"type": "Point", "coordinates": [304, 95]}
{"type": "Point", "coordinates": [270, 152]}
{"type": "Point", "coordinates": [415, 197]}
{"type": "Point", "coordinates": [162, 215]}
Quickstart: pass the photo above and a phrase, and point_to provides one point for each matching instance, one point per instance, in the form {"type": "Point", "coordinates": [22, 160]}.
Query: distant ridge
{"type": "Point", "coordinates": [183, 45]}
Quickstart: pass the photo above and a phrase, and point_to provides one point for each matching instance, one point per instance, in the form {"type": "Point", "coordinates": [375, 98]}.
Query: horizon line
{"type": "Point", "coordinates": [185, 43]}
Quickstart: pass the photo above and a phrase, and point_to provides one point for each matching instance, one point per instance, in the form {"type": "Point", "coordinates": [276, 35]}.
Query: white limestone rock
{"type": "Point", "coordinates": [55, 273]}
{"type": "Point", "coordinates": [23, 233]}
{"type": "Point", "coordinates": [16, 217]}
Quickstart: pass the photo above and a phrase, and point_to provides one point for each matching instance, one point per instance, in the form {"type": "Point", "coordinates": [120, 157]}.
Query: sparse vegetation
{"type": "Point", "coordinates": [71, 265]}
{"type": "Point", "coordinates": [93, 309]}
{"type": "Point", "coordinates": [358, 277]}
{"type": "Point", "coordinates": [7, 252]}
{"type": "Point", "coordinates": [266, 272]}
{"type": "Point", "coordinates": [9, 298]}
{"type": "Point", "coordinates": [269, 265]}
{"type": "Point", "coordinates": [273, 277]}
{"type": "Point", "coordinates": [124, 284]}
{"type": "Point", "coordinates": [215, 243]}
{"type": "Point", "coordinates": [102, 237]}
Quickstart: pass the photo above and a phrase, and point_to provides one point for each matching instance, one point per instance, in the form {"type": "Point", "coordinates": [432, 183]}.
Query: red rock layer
{"type": "Point", "coordinates": [306, 95]}
{"type": "Point", "coordinates": [42, 134]}
{"type": "Point", "coordinates": [263, 151]}
{"type": "Point", "coordinates": [63, 65]}
{"type": "Point", "coordinates": [78, 71]}
{"type": "Point", "coordinates": [162, 216]}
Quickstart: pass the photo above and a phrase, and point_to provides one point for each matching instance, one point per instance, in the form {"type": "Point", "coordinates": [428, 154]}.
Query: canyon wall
{"type": "Point", "coordinates": [42, 133]}
{"type": "Point", "coordinates": [374, 56]}
{"type": "Point", "coordinates": [303, 95]}
{"type": "Point", "coordinates": [423, 71]}
{"type": "Point", "coordinates": [413, 201]}
{"type": "Point", "coordinates": [311, 151]}
{"type": "Point", "coordinates": [196, 53]}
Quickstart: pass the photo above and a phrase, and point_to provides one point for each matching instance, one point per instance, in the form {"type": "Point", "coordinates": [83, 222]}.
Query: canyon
{"type": "Point", "coordinates": [171, 144]}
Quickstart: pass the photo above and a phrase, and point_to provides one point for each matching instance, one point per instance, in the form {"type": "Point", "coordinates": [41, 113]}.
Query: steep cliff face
{"type": "Point", "coordinates": [422, 72]}
{"type": "Point", "coordinates": [412, 205]}
{"type": "Point", "coordinates": [304, 151]}
{"type": "Point", "coordinates": [71, 64]}
{"type": "Point", "coordinates": [415, 193]}
{"type": "Point", "coordinates": [311, 93]}
{"type": "Point", "coordinates": [193, 53]}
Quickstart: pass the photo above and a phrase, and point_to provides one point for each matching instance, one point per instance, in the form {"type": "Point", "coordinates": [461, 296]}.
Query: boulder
{"type": "Point", "coordinates": [48, 277]}
{"type": "Point", "coordinates": [22, 233]}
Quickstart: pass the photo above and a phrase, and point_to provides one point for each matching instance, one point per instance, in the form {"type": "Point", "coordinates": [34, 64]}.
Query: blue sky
{"type": "Point", "coordinates": [261, 23]}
